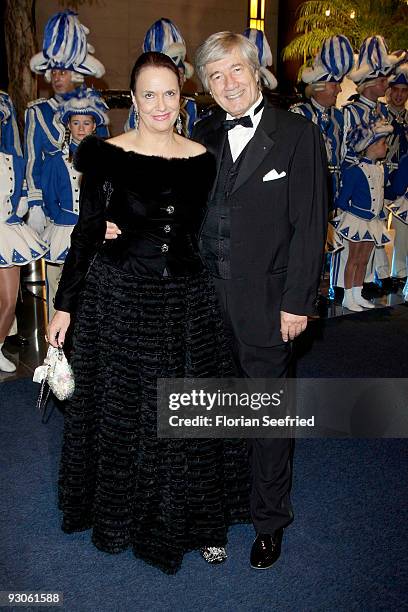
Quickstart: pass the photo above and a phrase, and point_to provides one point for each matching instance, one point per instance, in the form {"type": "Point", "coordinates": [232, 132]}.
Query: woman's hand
{"type": "Point", "coordinates": [58, 328]}
{"type": "Point", "coordinates": [112, 231]}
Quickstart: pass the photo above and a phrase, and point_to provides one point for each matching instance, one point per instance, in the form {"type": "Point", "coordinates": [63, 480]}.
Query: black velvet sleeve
{"type": "Point", "coordinates": [87, 236]}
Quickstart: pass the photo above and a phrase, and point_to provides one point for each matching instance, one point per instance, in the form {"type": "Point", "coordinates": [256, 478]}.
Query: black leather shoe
{"type": "Point", "coordinates": [321, 305]}
{"type": "Point", "coordinates": [371, 290]}
{"type": "Point", "coordinates": [336, 294]}
{"type": "Point", "coordinates": [18, 340]}
{"type": "Point", "coordinates": [400, 282]}
{"type": "Point", "coordinates": [266, 550]}
{"type": "Point", "coordinates": [388, 286]}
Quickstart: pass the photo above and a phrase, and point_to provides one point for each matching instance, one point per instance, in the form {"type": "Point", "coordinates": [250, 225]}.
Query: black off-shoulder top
{"type": "Point", "coordinates": [158, 204]}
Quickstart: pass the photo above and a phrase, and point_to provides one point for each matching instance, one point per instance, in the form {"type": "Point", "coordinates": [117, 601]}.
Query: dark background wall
{"type": "Point", "coordinates": [3, 54]}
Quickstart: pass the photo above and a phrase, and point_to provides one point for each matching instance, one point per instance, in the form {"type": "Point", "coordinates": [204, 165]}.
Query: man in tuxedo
{"type": "Point", "coordinates": [263, 240]}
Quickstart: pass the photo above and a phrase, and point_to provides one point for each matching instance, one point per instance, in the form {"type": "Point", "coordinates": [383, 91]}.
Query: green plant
{"type": "Point", "coordinates": [356, 19]}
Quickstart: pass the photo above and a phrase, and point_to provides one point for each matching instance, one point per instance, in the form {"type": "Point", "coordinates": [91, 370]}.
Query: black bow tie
{"type": "Point", "coordinates": [246, 121]}
{"type": "Point", "coordinates": [229, 124]}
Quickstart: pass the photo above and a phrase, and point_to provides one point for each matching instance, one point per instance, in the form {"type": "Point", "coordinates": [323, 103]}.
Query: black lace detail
{"type": "Point", "coordinates": [160, 497]}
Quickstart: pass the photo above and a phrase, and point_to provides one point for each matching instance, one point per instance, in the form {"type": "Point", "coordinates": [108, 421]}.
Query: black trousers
{"type": "Point", "coordinates": [270, 459]}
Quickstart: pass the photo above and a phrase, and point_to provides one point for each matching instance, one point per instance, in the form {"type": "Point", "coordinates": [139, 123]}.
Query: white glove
{"type": "Point", "coordinates": [22, 208]}
{"type": "Point", "coordinates": [36, 219]}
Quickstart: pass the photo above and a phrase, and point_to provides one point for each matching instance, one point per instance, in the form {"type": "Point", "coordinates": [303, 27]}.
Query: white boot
{"type": "Point", "coordinates": [5, 364]}
{"type": "Point", "coordinates": [358, 298]}
{"type": "Point", "coordinates": [349, 303]}
{"type": "Point", "coordinates": [405, 292]}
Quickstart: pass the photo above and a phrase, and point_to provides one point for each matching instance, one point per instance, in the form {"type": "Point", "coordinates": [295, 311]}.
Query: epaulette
{"type": "Point", "coordinates": [296, 105]}
{"type": "Point", "coordinates": [38, 101]}
{"type": "Point", "coordinates": [351, 161]}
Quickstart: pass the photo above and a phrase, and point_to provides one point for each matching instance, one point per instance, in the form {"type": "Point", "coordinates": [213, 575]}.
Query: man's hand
{"type": "Point", "coordinates": [292, 325]}
{"type": "Point", "coordinates": [112, 231]}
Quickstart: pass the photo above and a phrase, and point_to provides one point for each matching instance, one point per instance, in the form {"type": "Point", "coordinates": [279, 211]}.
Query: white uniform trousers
{"type": "Point", "coordinates": [400, 253]}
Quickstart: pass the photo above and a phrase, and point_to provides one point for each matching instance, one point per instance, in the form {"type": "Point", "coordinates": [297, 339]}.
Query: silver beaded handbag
{"type": "Point", "coordinates": [57, 372]}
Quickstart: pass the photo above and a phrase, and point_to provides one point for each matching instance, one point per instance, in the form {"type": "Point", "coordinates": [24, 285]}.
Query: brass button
{"type": "Point", "coordinates": [164, 248]}
{"type": "Point", "coordinates": [170, 209]}
{"type": "Point", "coordinates": [167, 228]}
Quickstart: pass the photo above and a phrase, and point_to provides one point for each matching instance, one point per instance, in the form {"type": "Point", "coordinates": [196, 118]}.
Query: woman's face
{"type": "Point", "coordinates": [81, 126]}
{"type": "Point", "coordinates": [157, 97]}
{"type": "Point", "coordinates": [378, 150]}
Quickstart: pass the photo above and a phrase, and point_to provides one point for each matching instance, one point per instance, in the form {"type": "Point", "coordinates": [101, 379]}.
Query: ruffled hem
{"type": "Point", "coordinates": [399, 208]}
{"type": "Point", "coordinates": [58, 239]}
{"type": "Point", "coordinates": [19, 245]}
{"type": "Point", "coordinates": [160, 497]}
{"type": "Point", "coordinates": [355, 229]}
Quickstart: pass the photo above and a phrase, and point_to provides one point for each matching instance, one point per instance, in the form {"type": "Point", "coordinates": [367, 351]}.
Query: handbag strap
{"type": "Point", "coordinates": [42, 402]}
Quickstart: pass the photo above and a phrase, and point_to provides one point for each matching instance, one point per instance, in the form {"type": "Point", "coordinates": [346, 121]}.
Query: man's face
{"type": "Point", "coordinates": [233, 83]}
{"type": "Point", "coordinates": [328, 96]}
{"type": "Point", "coordinates": [377, 89]}
{"type": "Point", "coordinates": [398, 95]}
{"type": "Point", "coordinates": [61, 81]}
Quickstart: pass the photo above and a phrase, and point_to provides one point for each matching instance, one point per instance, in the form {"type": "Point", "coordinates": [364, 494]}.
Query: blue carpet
{"type": "Point", "coordinates": [362, 345]}
{"type": "Point", "coordinates": [345, 551]}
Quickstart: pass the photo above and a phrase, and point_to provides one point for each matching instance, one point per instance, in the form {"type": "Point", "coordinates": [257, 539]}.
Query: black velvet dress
{"type": "Point", "coordinates": [144, 308]}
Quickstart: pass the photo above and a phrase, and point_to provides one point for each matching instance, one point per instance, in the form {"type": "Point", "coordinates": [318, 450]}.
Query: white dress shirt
{"type": "Point", "coordinates": [239, 136]}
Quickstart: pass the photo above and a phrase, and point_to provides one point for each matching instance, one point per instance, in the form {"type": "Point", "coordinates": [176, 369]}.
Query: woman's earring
{"type": "Point", "coordinates": [179, 124]}
{"type": "Point", "coordinates": [135, 112]}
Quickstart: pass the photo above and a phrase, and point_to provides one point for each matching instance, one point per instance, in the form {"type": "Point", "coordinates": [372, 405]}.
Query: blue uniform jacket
{"type": "Point", "coordinates": [398, 181]}
{"type": "Point", "coordinates": [355, 194]}
{"type": "Point", "coordinates": [331, 124]}
{"type": "Point", "coordinates": [60, 184]}
{"type": "Point", "coordinates": [398, 140]}
{"type": "Point", "coordinates": [44, 134]}
{"type": "Point", "coordinates": [13, 188]}
{"type": "Point", "coordinates": [360, 110]}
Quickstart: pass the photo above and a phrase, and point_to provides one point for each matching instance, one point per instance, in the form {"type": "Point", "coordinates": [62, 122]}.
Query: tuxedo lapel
{"type": "Point", "coordinates": [258, 147]}
{"type": "Point", "coordinates": [215, 142]}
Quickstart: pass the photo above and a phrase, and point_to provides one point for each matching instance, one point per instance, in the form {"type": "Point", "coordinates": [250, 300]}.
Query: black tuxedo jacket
{"type": "Point", "coordinates": [278, 220]}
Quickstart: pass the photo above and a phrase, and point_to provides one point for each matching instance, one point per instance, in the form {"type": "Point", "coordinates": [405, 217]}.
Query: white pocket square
{"type": "Point", "coordinates": [272, 175]}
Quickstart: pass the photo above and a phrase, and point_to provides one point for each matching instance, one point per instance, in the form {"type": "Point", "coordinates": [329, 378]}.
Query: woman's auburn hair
{"type": "Point", "coordinates": [155, 60]}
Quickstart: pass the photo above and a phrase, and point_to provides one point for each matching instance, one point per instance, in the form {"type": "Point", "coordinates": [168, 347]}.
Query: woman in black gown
{"type": "Point", "coordinates": [144, 308]}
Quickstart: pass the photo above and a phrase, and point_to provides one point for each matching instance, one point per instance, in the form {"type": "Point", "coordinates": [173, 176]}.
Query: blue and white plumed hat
{"type": "Point", "coordinates": [65, 48]}
{"type": "Point", "coordinates": [331, 64]}
{"type": "Point", "coordinates": [165, 37]}
{"type": "Point", "coordinates": [400, 77]}
{"type": "Point", "coordinates": [89, 102]}
{"type": "Point", "coordinates": [365, 135]}
{"type": "Point", "coordinates": [264, 55]}
{"type": "Point", "coordinates": [373, 61]}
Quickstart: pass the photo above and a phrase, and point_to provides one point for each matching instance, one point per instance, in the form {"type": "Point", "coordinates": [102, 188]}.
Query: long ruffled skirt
{"type": "Point", "coordinates": [160, 497]}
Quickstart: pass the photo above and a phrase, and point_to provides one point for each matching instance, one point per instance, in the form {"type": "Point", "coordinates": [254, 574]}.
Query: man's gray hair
{"type": "Point", "coordinates": [218, 46]}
